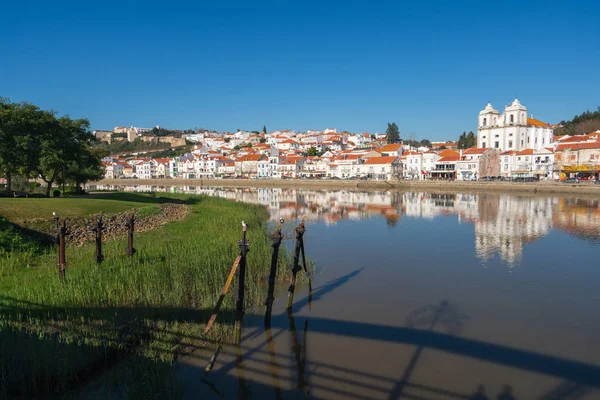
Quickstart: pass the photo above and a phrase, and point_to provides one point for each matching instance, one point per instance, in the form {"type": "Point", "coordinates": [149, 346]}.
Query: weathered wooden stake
{"type": "Point", "coordinates": [130, 231]}
{"type": "Point", "coordinates": [307, 273]}
{"type": "Point", "coordinates": [299, 234]}
{"type": "Point", "coordinates": [239, 307]}
{"type": "Point", "coordinates": [98, 226]}
{"type": "Point", "coordinates": [213, 317]}
{"type": "Point", "coordinates": [62, 263]}
{"type": "Point", "coordinates": [277, 237]}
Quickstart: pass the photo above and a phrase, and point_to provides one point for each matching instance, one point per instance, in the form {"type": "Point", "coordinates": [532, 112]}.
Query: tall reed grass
{"type": "Point", "coordinates": [56, 334]}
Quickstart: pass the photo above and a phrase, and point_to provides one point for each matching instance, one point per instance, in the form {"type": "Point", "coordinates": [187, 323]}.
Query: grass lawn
{"type": "Point", "coordinates": [18, 209]}
{"type": "Point", "coordinates": [55, 334]}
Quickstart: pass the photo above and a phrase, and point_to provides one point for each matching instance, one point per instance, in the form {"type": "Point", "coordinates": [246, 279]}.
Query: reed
{"type": "Point", "coordinates": [56, 334]}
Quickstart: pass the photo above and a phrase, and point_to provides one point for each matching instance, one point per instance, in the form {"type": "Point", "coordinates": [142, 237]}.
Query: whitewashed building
{"type": "Point", "coordinates": [511, 130]}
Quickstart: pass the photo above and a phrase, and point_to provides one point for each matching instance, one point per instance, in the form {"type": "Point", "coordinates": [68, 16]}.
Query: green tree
{"type": "Point", "coordinates": [471, 140]}
{"type": "Point", "coordinates": [86, 167]}
{"type": "Point", "coordinates": [392, 133]}
{"type": "Point", "coordinates": [61, 144]}
{"type": "Point", "coordinates": [265, 129]}
{"type": "Point", "coordinates": [425, 143]}
{"type": "Point", "coordinates": [312, 152]}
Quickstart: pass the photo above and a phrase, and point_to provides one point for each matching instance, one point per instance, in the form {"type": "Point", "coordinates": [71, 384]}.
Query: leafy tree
{"type": "Point", "coordinates": [86, 167]}
{"type": "Point", "coordinates": [392, 133]}
{"type": "Point", "coordinates": [227, 140]}
{"type": "Point", "coordinates": [586, 122]}
{"type": "Point", "coordinates": [61, 144]}
{"type": "Point", "coordinates": [425, 143]}
{"type": "Point", "coordinates": [263, 140]}
{"type": "Point", "coordinates": [466, 141]}
{"type": "Point", "coordinates": [312, 152]}
{"type": "Point", "coordinates": [442, 148]}
{"type": "Point", "coordinates": [373, 137]}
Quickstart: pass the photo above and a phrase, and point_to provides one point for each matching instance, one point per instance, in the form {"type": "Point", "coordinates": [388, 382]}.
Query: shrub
{"type": "Point", "coordinates": [56, 193]}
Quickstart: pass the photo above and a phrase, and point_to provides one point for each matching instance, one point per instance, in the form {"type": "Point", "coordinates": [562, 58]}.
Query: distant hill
{"type": "Point", "coordinates": [586, 122]}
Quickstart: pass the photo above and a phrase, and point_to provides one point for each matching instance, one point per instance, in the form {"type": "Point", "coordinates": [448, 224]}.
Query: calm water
{"type": "Point", "coordinates": [423, 296]}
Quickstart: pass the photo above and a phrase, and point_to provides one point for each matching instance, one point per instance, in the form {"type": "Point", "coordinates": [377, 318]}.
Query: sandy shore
{"type": "Point", "coordinates": [434, 186]}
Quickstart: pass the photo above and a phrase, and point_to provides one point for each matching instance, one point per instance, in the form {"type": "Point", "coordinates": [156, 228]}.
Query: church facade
{"type": "Point", "coordinates": [512, 130]}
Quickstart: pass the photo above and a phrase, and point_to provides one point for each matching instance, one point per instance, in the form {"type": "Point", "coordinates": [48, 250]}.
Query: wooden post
{"type": "Point", "coordinates": [239, 307]}
{"type": "Point", "coordinates": [213, 317]}
{"type": "Point", "coordinates": [62, 263]}
{"type": "Point", "coordinates": [299, 233]}
{"type": "Point", "coordinates": [130, 231]}
{"type": "Point", "coordinates": [98, 226]}
{"type": "Point", "coordinates": [277, 237]}
{"type": "Point", "coordinates": [306, 272]}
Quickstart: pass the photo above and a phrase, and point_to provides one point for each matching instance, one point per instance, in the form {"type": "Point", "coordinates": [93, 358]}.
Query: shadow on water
{"type": "Point", "coordinates": [580, 378]}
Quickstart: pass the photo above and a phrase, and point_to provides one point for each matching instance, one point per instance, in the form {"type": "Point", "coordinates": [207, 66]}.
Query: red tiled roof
{"type": "Point", "coordinates": [578, 146]}
{"type": "Point", "coordinates": [381, 160]}
{"type": "Point", "coordinates": [525, 152]}
{"type": "Point", "coordinates": [535, 122]}
{"type": "Point", "coordinates": [448, 159]}
{"type": "Point", "coordinates": [390, 147]}
{"type": "Point", "coordinates": [476, 150]}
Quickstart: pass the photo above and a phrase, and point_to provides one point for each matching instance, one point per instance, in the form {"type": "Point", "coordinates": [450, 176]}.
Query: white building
{"type": "Point", "coordinates": [511, 130]}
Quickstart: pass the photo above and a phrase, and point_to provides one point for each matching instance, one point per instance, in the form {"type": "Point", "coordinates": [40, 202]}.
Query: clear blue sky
{"type": "Point", "coordinates": [428, 66]}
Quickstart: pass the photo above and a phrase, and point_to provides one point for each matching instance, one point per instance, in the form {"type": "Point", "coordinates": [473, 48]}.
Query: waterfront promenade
{"type": "Point", "coordinates": [577, 189]}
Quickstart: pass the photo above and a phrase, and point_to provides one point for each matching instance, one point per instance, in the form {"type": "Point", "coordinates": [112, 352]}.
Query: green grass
{"type": "Point", "coordinates": [19, 209]}
{"type": "Point", "coordinates": [54, 333]}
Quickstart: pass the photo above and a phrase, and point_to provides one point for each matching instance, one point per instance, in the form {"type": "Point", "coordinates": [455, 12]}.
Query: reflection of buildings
{"type": "Point", "coordinates": [503, 223]}
{"type": "Point", "coordinates": [578, 217]}
{"type": "Point", "coordinates": [512, 222]}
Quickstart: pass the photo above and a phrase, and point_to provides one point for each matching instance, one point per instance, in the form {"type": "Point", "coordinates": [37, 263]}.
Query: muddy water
{"type": "Point", "coordinates": [423, 296]}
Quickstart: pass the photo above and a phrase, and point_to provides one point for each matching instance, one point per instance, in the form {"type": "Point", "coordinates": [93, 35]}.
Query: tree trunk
{"type": "Point", "coordinates": [49, 182]}
{"type": "Point", "coordinates": [8, 181]}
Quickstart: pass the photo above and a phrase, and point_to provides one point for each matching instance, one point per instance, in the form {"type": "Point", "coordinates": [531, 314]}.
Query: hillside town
{"type": "Point", "coordinates": [511, 145]}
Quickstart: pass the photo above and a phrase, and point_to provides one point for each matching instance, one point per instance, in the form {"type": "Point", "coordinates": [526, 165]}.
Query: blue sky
{"type": "Point", "coordinates": [428, 66]}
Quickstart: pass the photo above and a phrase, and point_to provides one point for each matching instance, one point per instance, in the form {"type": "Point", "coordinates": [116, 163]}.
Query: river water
{"type": "Point", "coordinates": [422, 296]}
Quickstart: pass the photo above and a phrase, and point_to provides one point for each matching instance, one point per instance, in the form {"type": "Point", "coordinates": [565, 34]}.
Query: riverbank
{"type": "Point", "coordinates": [429, 186]}
{"type": "Point", "coordinates": [128, 316]}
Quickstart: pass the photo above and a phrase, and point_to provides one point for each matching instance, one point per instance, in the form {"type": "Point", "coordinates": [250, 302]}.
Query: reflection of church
{"type": "Point", "coordinates": [503, 224]}
{"type": "Point", "coordinates": [510, 223]}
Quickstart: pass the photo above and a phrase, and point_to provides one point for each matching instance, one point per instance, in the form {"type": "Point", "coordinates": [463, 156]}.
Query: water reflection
{"type": "Point", "coordinates": [503, 224]}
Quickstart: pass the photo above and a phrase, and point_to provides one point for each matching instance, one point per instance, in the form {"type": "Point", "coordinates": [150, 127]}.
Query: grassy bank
{"type": "Point", "coordinates": [133, 313]}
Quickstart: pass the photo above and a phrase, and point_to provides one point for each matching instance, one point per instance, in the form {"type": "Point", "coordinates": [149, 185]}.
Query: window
{"type": "Point", "coordinates": [518, 158]}
{"type": "Point", "coordinates": [484, 121]}
{"type": "Point", "coordinates": [542, 141]}
{"type": "Point", "coordinates": [512, 119]}
{"type": "Point", "coordinates": [510, 143]}
{"type": "Point", "coordinates": [483, 144]}
{"type": "Point", "coordinates": [521, 142]}
{"type": "Point", "coordinates": [505, 166]}
{"type": "Point", "coordinates": [497, 136]}
{"type": "Point", "coordinates": [528, 140]}
{"type": "Point", "coordinates": [497, 144]}
{"type": "Point", "coordinates": [510, 134]}
{"type": "Point", "coordinates": [535, 140]}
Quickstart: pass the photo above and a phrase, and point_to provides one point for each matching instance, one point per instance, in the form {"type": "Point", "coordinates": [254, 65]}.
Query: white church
{"type": "Point", "coordinates": [512, 130]}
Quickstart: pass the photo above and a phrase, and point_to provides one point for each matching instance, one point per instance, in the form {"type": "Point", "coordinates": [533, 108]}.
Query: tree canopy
{"type": "Point", "coordinates": [586, 122]}
{"type": "Point", "coordinates": [392, 133]}
{"type": "Point", "coordinates": [418, 143]}
{"type": "Point", "coordinates": [35, 143]}
{"type": "Point", "coordinates": [467, 140]}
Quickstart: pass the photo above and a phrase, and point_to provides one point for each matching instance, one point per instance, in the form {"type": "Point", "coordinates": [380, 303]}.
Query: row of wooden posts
{"type": "Point", "coordinates": [97, 228]}
{"type": "Point", "coordinates": [239, 264]}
